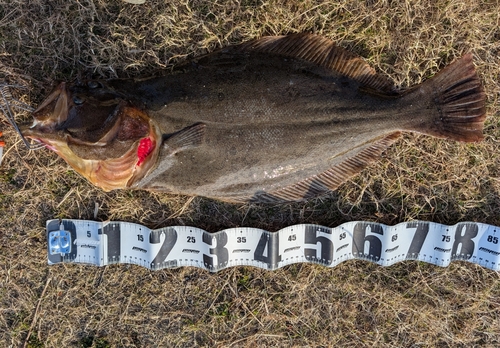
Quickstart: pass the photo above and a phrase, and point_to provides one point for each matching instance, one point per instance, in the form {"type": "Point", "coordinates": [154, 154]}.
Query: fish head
{"type": "Point", "coordinates": [98, 132]}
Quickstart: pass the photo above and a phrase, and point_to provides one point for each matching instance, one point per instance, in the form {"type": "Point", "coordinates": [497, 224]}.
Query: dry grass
{"type": "Point", "coordinates": [356, 304]}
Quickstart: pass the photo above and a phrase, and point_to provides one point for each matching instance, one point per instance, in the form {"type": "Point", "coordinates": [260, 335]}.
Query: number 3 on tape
{"type": "Point", "coordinates": [104, 243]}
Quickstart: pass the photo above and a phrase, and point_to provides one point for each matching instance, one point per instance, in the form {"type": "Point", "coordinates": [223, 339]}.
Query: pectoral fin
{"type": "Point", "coordinates": [186, 138]}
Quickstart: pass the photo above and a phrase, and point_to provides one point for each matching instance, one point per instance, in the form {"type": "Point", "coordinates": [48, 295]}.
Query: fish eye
{"type": "Point", "coordinates": [94, 84]}
{"type": "Point", "coordinates": [78, 100]}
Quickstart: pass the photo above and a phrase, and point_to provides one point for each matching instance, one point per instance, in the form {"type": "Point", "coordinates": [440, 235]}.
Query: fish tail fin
{"type": "Point", "coordinates": [460, 100]}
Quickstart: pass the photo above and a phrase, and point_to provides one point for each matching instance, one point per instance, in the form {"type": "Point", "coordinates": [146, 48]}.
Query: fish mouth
{"type": "Point", "coordinates": [40, 135]}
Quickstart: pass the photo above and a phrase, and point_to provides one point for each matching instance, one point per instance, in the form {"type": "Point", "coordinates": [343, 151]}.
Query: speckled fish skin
{"type": "Point", "coordinates": [268, 120]}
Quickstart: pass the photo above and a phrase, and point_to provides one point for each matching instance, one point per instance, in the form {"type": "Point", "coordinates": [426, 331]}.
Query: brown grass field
{"type": "Point", "coordinates": [356, 304]}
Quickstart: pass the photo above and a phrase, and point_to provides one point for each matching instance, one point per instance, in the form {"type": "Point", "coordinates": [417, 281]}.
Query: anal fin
{"type": "Point", "coordinates": [330, 179]}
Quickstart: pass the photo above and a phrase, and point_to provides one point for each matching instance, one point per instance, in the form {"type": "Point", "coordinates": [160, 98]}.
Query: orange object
{"type": "Point", "coordinates": [2, 144]}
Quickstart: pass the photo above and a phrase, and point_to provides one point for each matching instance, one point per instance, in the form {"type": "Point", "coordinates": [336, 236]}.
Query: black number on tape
{"type": "Point", "coordinates": [191, 239]}
{"type": "Point", "coordinates": [272, 257]}
{"type": "Point", "coordinates": [326, 245]}
{"type": "Point", "coordinates": [422, 228]}
{"type": "Point", "coordinates": [167, 246]}
{"type": "Point", "coordinates": [360, 239]}
{"type": "Point", "coordinates": [112, 231]}
{"type": "Point", "coordinates": [219, 250]}
{"type": "Point", "coordinates": [492, 239]}
{"type": "Point", "coordinates": [464, 234]}
{"type": "Point", "coordinates": [445, 238]}
{"type": "Point", "coordinates": [241, 240]}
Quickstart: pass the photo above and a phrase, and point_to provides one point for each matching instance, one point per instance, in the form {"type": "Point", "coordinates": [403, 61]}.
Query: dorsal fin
{"type": "Point", "coordinates": [322, 52]}
{"type": "Point", "coordinates": [330, 179]}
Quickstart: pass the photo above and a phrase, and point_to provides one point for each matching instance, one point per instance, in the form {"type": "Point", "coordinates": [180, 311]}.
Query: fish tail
{"type": "Point", "coordinates": [458, 95]}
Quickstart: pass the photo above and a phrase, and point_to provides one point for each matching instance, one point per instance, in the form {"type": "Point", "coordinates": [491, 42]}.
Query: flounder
{"type": "Point", "coordinates": [275, 119]}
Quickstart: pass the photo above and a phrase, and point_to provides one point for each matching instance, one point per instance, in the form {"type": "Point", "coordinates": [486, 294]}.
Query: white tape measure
{"type": "Point", "coordinates": [104, 243]}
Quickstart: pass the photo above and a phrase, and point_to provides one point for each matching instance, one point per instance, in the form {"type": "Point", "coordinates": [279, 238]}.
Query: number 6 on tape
{"type": "Point", "coordinates": [105, 243]}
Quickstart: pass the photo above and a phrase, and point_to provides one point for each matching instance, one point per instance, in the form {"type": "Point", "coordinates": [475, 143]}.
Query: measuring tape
{"type": "Point", "coordinates": [105, 243]}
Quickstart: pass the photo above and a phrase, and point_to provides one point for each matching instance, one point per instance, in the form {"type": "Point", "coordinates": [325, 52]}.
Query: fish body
{"type": "Point", "coordinates": [275, 119]}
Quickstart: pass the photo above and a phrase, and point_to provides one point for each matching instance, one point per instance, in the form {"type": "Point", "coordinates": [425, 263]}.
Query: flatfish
{"type": "Point", "coordinates": [282, 118]}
